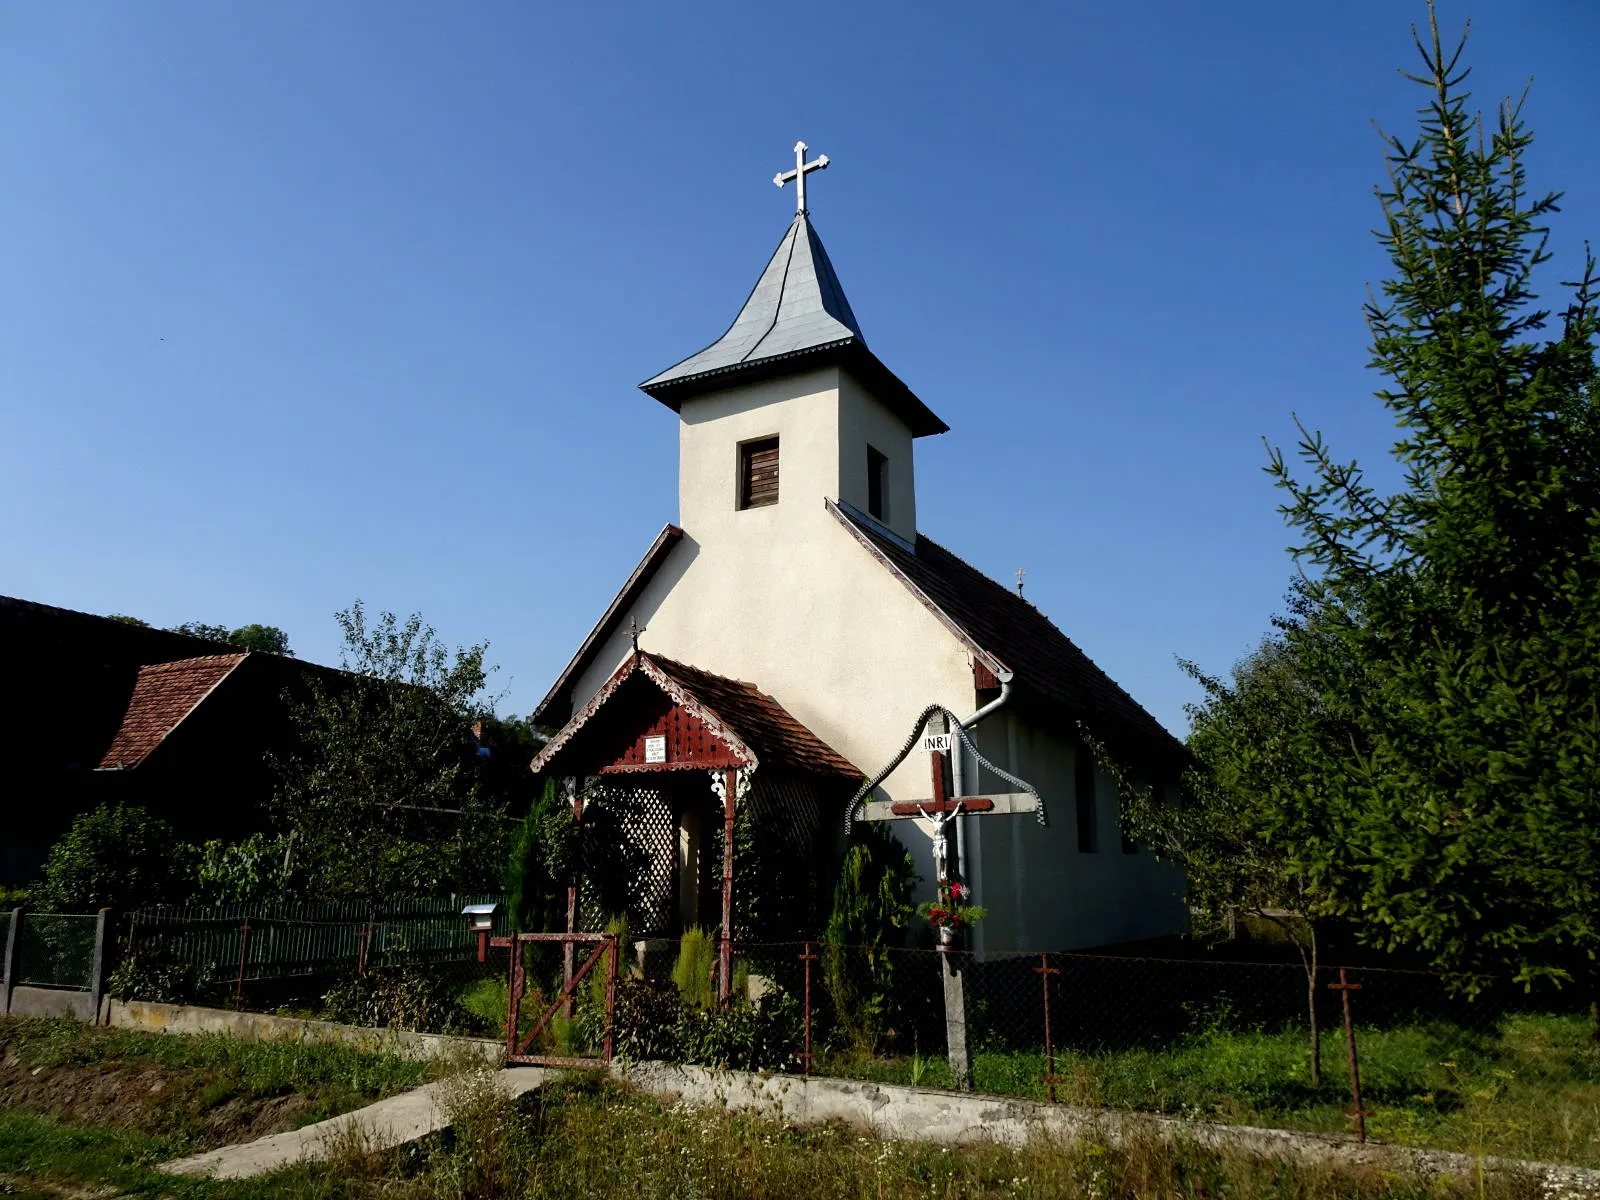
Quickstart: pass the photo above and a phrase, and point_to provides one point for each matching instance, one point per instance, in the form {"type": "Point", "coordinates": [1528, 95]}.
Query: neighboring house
{"type": "Point", "coordinates": [108, 711]}
{"type": "Point", "coordinates": [796, 566]}
{"type": "Point", "coordinates": [101, 710]}
{"type": "Point", "coordinates": [96, 710]}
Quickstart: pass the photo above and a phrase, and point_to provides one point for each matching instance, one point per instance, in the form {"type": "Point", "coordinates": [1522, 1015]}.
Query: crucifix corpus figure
{"type": "Point", "coordinates": [942, 737]}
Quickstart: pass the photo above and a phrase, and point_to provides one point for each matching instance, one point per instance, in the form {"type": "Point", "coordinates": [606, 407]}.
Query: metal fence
{"type": "Point", "coordinates": [242, 944]}
{"type": "Point", "coordinates": [1402, 1056]}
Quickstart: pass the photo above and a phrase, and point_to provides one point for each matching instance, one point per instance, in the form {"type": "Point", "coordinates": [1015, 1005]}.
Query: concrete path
{"type": "Point", "coordinates": [381, 1126]}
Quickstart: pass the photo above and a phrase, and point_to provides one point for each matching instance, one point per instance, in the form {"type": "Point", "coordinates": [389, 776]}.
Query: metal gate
{"type": "Point", "coordinates": [603, 956]}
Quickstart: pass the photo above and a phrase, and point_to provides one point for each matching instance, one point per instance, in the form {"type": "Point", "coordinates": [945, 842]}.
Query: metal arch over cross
{"type": "Point", "coordinates": [802, 168]}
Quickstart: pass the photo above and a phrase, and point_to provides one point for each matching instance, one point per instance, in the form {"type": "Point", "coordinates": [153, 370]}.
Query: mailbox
{"type": "Point", "coordinates": [480, 919]}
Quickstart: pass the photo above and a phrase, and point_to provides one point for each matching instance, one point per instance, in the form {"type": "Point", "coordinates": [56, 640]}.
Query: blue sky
{"type": "Point", "coordinates": [304, 302]}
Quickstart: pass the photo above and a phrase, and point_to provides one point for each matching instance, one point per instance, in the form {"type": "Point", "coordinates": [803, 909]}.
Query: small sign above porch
{"type": "Point", "coordinates": [654, 714]}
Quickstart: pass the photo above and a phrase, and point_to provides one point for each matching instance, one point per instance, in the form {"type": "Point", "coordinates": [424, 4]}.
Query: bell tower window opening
{"type": "Point", "coordinates": [877, 484]}
{"type": "Point", "coordinates": [758, 473]}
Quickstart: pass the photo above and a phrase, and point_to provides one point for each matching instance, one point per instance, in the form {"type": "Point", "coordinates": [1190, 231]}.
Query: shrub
{"type": "Point", "coordinates": [413, 998]}
{"type": "Point", "coordinates": [692, 972]}
{"type": "Point", "coordinates": [151, 974]}
{"type": "Point", "coordinates": [871, 908]}
{"type": "Point", "coordinates": [249, 869]}
{"type": "Point", "coordinates": [115, 856]}
{"type": "Point", "coordinates": [653, 1022]}
{"type": "Point", "coordinates": [646, 1019]}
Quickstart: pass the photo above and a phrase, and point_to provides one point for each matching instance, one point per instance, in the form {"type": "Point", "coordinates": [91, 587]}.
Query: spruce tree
{"type": "Point", "coordinates": [1452, 628]}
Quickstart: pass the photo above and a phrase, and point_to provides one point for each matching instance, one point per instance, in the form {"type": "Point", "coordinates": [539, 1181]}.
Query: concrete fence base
{"type": "Point", "coordinates": [29, 1001]}
{"type": "Point", "coordinates": [884, 1110]}
{"type": "Point", "coordinates": [190, 1018]}
{"type": "Point", "coordinates": [959, 1118]}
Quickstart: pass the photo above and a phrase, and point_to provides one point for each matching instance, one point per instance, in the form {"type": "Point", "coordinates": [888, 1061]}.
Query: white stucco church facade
{"type": "Point", "coordinates": [796, 566]}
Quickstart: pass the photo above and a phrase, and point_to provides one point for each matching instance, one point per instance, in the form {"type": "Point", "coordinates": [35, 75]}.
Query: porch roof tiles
{"type": "Point", "coordinates": [755, 728]}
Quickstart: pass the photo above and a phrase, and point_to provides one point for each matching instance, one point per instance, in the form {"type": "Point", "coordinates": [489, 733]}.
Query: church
{"type": "Point", "coordinates": [776, 645]}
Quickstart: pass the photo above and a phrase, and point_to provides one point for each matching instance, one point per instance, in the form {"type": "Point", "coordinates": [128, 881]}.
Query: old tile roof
{"type": "Point", "coordinates": [163, 695]}
{"type": "Point", "coordinates": [796, 317]}
{"type": "Point", "coordinates": [759, 721]}
{"type": "Point", "coordinates": [754, 727]}
{"type": "Point", "coordinates": [1012, 635]}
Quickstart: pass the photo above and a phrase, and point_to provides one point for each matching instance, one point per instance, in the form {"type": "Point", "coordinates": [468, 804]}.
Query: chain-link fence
{"type": "Point", "coordinates": [1425, 1059]}
{"type": "Point", "coordinates": [56, 950]}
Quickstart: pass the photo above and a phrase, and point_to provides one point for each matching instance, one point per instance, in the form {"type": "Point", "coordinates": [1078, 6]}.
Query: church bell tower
{"type": "Point", "coordinates": [789, 407]}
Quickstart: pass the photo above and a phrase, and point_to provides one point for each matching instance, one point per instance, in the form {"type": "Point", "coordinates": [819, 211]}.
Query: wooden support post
{"type": "Point", "coordinates": [725, 950]}
{"type": "Point", "coordinates": [572, 910]}
{"type": "Point", "coordinates": [12, 964]}
{"type": "Point", "coordinates": [614, 945]}
{"type": "Point", "coordinates": [100, 964]}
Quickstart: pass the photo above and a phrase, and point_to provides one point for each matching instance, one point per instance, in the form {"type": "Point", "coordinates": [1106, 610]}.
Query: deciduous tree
{"type": "Point", "coordinates": [381, 794]}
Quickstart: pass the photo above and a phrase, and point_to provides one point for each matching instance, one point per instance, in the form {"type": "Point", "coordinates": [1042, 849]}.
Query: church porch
{"type": "Point", "coordinates": [702, 803]}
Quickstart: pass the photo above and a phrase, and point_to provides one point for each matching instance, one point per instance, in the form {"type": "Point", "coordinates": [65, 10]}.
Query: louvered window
{"type": "Point", "coordinates": [877, 484]}
{"type": "Point", "coordinates": [758, 473]}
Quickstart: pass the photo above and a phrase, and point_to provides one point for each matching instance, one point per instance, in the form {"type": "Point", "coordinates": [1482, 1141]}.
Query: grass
{"type": "Point", "coordinates": [42, 1157]}
{"type": "Point", "coordinates": [1531, 1089]}
{"type": "Point", "coordinates": [81, 1105]}
{"type": "Point", "coordinates": [591, 1138]}
{"type": "Point", "coordinates": [331, 1078]}
{"type": "Point", "coordinates": [588, 1137]}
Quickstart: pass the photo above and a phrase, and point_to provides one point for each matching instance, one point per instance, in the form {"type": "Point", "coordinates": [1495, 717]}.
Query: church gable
{"type": "Point", "coordinates": [1010, 637]}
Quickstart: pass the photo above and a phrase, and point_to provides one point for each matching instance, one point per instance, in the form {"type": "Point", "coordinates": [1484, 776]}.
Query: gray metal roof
{"type": "Point", "coordinates": [797, 309]}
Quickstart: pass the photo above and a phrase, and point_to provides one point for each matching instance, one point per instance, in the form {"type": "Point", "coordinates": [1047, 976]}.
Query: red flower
{"type": "Point", "coordinates": [956, 890]}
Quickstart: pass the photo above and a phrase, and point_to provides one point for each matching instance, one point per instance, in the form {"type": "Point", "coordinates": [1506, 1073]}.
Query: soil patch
{"type": "Point", "coordinates": [201, 1107]}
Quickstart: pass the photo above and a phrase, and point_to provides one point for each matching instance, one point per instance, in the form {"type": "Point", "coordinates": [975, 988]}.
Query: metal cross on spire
{"type": "Point", "coordinates": [802, 168]}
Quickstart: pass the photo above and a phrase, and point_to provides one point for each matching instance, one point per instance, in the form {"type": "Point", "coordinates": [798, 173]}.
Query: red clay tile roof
{"type": "Point", "coordinates": [1005, 628]}
{"type": "Point", "coordinates": [759, 721]}
{"type": "Point", "coordinates": [163, 695]}
{"type": "Point", "coordinates": [750, 723]}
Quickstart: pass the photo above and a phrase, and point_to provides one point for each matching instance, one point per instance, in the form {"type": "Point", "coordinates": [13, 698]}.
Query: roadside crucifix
{"type": "Point", "coordinates": [941, 735]}
{"type": "Point", "coordinates": [802, 168]}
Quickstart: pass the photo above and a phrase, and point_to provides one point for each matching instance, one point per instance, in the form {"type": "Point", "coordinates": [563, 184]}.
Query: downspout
{"type": "Point", "coordinates": [957, 772]}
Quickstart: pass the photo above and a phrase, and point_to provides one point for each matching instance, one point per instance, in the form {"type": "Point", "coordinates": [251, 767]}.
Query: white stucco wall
{"type": "Point", "coordinates": [864, 422]}
{"type": "Point", "coordinates": [1042, 892]}
{"type": "Point", "coordinates": [785, 597]}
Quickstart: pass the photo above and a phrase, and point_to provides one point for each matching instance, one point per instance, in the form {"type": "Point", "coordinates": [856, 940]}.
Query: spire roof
{"type": "Point", "coordinates": [797, 317]}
